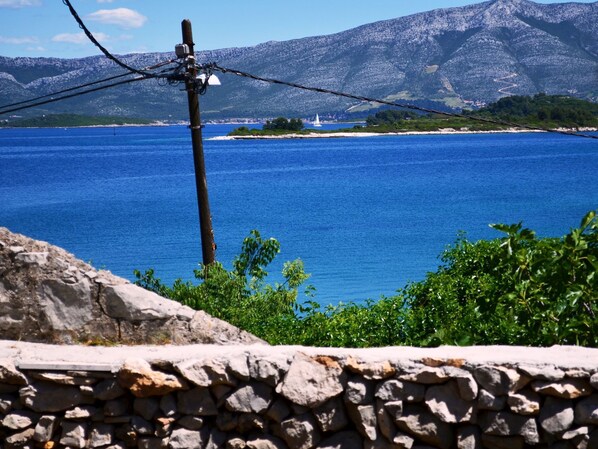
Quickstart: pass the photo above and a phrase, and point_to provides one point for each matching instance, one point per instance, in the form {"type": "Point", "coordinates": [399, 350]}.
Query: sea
{"type": "Point", "coordinates": [366, 215]}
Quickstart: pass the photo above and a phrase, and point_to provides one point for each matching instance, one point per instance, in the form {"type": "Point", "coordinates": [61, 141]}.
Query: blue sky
{"type": "Point", "coordinates": [45, 28]}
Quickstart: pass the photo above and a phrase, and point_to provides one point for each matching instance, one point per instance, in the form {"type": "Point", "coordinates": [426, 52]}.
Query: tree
{"type": "Point", "coordinates": [283, 124]}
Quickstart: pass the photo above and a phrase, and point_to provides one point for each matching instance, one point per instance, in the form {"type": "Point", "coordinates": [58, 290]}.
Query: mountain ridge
{"type": "Point", "coordinates": [456, 57]}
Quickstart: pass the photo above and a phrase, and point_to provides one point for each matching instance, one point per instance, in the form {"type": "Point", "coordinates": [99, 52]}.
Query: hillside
{"type": "Point", "coordinates": [456, 57]}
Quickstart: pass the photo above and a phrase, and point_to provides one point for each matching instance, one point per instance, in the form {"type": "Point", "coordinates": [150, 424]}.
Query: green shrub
{"type": "Point", "coordinates": [516, 290]}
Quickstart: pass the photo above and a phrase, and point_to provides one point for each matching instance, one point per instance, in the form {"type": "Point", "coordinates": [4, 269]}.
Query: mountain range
{"type": "Point", "coordinates": [446, 58]}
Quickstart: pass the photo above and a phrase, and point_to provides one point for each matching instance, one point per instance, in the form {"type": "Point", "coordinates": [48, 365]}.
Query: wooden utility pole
{"type": "Point", "coordinates": [208, 247]}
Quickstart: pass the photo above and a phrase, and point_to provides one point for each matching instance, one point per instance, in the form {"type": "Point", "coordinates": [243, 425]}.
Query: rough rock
{"type": "Point", "coordinates": [185, 439]}
{"type": "Point", "coordinates": [138, 376]}
{"type": "Point", "coordinates": [371, 371]}
{"type": "Point", "coordinates": [556, 415]}
{"type": "Point", "coordinates": [197, 401]}
{"type": "Point", "coordinates": [445, 402]}
{"type": "Point", "coordinates": [266, 442]}
{"type": "Point", "coordinates": [311, 383]}
{"type": "Point", "coordinates": [45, 427]}
{"type": "Point", "coordinates": [74, 434]}
{"type": "Point", "coordinates": [45, 397]}
{"type": "Point", "coordinates": [18, 420]}
{"type": "Point", "coordinates": [359, 392]}
{"type": "Point", "coordinates": [206, 372]}
{"type": "Point", "coordinates": [252, 398]}
{"type": "Point", "coordinates": [331, 415]}
{"type": "Point", "coordinates": [567, 388]}
{"type": "Point", "coordinates": [524, 403]}
{"type": "Point", "coordinates": [423, 425]}
{"type": "Point", "coordinates": [586, 411]}
{"type": "Point", "coordinates": [100, 435]}
{"type": "Point", "coordinates": [469, 437]}
{"type": "Point", "coordinates": [300, 432]}
{"type": "Point", "coordinates": [498, 380]}
{"type": "Point", "coordinates": [509, 424]}
{"type": "Point", "coordinates": [9, 373]}
{"type": "Point", "coordinates": [487, 401]}
{"type": "Point", "coordinates": [48, 295]}
{"type": "Point", "coordinates": [398, 390]}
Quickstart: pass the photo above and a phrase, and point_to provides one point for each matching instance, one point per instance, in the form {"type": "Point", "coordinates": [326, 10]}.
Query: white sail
{"type": "Point", "coordinates": [317, 121]}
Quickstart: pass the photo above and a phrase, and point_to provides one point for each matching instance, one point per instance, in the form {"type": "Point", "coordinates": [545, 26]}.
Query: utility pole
{"type": "Point", "coordinates": [208, 247]}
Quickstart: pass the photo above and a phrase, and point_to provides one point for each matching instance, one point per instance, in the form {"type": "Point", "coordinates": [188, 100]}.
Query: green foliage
{"type": "Point", "coordinates": [64, 120]}
{"type": "Point", "coordinates": [518, 289]}
{"type": "Point", "coordinates": [551, 110]}
{"type": "Point", "coordinates": [240, 296]}
{"type": "Point", "coordinates": [390, 117]}
{"type": "Point", "coordinates": [281, 123]}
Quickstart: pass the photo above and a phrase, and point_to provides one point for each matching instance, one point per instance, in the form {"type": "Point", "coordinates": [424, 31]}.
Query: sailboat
{"type": "Point", "coordinates": [317, 121]}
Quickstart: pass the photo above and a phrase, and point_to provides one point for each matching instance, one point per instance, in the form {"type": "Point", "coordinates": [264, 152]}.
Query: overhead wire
{"type": "Point", "coordinates": [76, 94]}
{"type": "Point", "coordinates": [213, 66]}
{"type": "Point", "coordinates": [106, 53]}
{"type": "Point", "coordinates": [80, 86]}
{"type": "Point", "coordinates": [210, 67]}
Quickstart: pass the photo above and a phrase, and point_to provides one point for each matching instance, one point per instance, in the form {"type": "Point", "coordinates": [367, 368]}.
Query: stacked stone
{"type": "Point", "coordinates": [291, 400]}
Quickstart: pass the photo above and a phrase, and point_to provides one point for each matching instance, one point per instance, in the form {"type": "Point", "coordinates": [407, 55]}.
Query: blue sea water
{"type": "Point", "coordinates": [366, 215]}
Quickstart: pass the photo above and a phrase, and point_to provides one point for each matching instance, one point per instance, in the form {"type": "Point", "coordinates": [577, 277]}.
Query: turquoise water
{"type": "Point", "coordinates": [366, 215]}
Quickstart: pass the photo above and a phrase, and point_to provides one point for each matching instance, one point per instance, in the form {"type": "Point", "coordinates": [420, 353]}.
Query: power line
{"type": "Point", "coordinates": [76, 94]}
{"type": "Point", "coordinates": [213, 66]}
{"type": "Point", "coordinates": [109, 55]}
{"type": "Point", "coordinates": [80, 86]}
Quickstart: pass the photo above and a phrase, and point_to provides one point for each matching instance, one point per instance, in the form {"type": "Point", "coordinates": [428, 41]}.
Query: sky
{"type": "Point", "coordinates": [45, 28]}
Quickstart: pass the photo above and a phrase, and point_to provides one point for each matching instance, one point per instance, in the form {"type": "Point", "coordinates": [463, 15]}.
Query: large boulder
{"type": "Point", "coordinates": [47, 295]}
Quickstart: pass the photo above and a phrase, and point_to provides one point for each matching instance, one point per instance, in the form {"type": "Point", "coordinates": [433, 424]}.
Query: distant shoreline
{"type": "Point", "coordinates": [370, 134]}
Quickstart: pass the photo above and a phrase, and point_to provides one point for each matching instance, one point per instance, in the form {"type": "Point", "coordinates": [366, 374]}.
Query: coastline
{"type": "Point", "coordinates": [447, 131]}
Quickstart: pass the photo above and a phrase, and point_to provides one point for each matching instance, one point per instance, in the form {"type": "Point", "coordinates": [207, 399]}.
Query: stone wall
{"type": "Point", "coordinates": [261, 397]}
{"type": "Point", "coordinates": [47, 295]}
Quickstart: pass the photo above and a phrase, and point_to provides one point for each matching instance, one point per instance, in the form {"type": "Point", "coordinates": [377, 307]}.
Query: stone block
{"type": "Point", "coordinates": [147, 408]}
{"type": "Point", "coordinates": [251, 398]}
{"type": "Point", "coordinates": [206, 372]}
{"type": "Point", "coordinates": [498, 380]}
{"type": "Point", "coordinates": [48, 398]}
{"type": "Point", "coordinates": [268, 369]}
{"type": "Point", "coordinates": [556, 415]}
{"type": "Point", "coordinates": [197, 401]}
{"type": "Point", "coordinates": [300, 432]}
{"type": "Point", "coordinates": [568, 388]}
{"type": "Point", "coordinates": [331, 416]}
{"type": "Point", "coordinates": [370, 370]}
{"type": "Point", "coordinates": [488, 401]}
{"type": "Point", "coordinates": [186, 439]}
{"type": "Point", "coordinates": [100, 435]}
{"type": "Point", "coordinates": [469, 437]}
{"type": "Point", "coordinates": [509, 424]}
{"type": "Point", "coordinates": [45, 428]}
{"type": "Point", "coordinates": [525, 402]}
{"type": "Point", "coordinates": [310, 383]}
{"type": "Point", "coordinates": [586, 411]}
{"type": "Point", "coordinates": [138, 376]}
{"type": "Point", "coordinates": [396, 390]}
{"type": "Point", "coordinates": [445, 402]}
{"type": "Point", "coordinates": [108, 389]}
{"type": "Point", "coordinates": [423, 425]}
{"type": "Point", "coordinates": [359, 392]}
{"type": "Point", "coordinates": [74, 434]}
{"type": "Point", "coordinates": [364, 419]}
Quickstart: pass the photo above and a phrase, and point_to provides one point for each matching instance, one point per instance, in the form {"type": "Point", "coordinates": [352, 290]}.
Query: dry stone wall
{"type": "Point", "coordinates": [260, 397]}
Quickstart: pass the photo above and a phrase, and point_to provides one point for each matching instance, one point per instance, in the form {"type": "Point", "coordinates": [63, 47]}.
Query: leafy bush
{"type": "Point", "coordinates": [518, 289]}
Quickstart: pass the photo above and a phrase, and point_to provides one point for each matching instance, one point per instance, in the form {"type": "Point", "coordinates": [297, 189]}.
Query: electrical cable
{"type": "Point", "coordinates": [76, 94]}
{"type": "Point", "coordinates": [92, 83]}
{"type": "Point", "coordinates": [109, 55]}
{"type": "Point", "coordinates": [214, 66]}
